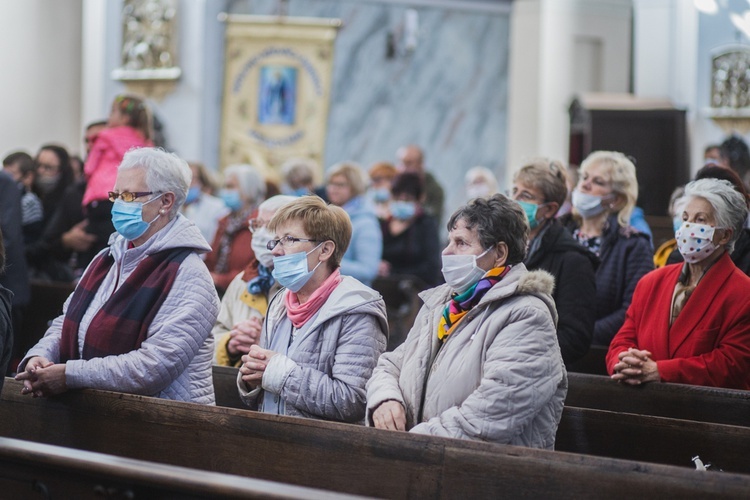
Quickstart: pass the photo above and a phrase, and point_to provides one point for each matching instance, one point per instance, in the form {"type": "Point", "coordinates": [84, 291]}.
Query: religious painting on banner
{"type": "Point", "coordinates": [277, 82]}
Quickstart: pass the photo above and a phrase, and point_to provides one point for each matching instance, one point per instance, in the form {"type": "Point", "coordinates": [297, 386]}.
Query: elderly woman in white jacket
{"type": "Point", "coordinates": [482, 360]}
{"type": "Point", "coordinates": [139, 320]}
{"type": "Point", "coordinates": [322, 336]}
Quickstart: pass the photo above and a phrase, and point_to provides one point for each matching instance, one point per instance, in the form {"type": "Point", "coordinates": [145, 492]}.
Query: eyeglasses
{"type": "Point", "coordinates": [286, 241]}
{"type": "Point", "coordinates": [127, 196]}
{"type": "Point", "coordinates": [255, 224]}
{"type": "Point", "coordinates": [47, 168]}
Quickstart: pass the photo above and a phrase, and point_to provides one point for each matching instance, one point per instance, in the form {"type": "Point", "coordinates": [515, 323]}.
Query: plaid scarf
{"type": "Point", "coordinates": [122, 323]}
{"type": "Point", "coordinates": [459, 305]}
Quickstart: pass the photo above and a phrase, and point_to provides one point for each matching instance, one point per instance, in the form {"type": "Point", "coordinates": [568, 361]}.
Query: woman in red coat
{"type": "Point", "coordinates": [690, 323]}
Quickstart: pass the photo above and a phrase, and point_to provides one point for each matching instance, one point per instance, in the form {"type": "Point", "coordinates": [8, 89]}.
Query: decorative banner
{"type": "Point", "coordinates": [276, 89]}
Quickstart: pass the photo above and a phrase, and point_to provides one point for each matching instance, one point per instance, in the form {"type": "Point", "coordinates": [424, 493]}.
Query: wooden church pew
{"type": "Point", "coordinates": [338, 457]}
{"type": "Point", "coordinates": [689, 402]}
{"type": "Point", "coordinates": [34, 470]}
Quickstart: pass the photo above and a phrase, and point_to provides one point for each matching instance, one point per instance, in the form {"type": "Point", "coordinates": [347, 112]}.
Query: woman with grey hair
{"type": "Point", "coordinates": [690, 323]}
{"type": "Point", "coordinates": [140, 318]}
{"type": "Point", "coordinates": [244, 189]}
{"type": "Point", "coordinates": [482, 360]}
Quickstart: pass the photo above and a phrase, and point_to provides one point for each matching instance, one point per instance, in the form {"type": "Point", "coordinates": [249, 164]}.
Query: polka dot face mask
{"type": "Point", "coordinates": [695, 241]}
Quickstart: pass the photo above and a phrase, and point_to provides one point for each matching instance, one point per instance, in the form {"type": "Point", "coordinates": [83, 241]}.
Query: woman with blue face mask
{"type": "Point", "coordinates": [482, 361]}
{"type": "Point", "coordinates": [244, 189]}
{"type": "Point", "coordinates": [245, 302]}
{"type": "Point", "coordinates": [139, 320]}
{"type": "Point", "coordinates": [689, 323]}
{"type": "Point", "coordinates": [540, 188]}
{"type": "Point", "coordinates": [603, 201]}
{"type": "Point", "coordinates": [323, 334]}
{"type": "Point", "coordinates": [411, 243]}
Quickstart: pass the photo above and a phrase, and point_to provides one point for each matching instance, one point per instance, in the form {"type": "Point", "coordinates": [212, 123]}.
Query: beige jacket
{"type": "Point", "coordinates": [499, 377]}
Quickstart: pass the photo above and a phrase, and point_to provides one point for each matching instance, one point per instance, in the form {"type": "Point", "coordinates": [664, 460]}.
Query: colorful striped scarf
{"type": "Point", "coordinates": [461, 304]}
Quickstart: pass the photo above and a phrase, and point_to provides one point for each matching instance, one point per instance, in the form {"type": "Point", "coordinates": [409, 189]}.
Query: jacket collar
{"type": "Point", "coordinates": [699, 302]}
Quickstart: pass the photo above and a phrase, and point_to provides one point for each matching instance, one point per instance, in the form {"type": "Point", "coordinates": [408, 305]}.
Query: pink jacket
{"type": "Point", "coordinates": [104, 158]}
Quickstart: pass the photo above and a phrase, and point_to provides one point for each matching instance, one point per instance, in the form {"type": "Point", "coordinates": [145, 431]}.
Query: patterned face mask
{"type": "Point", "coordinates": [695, 241]}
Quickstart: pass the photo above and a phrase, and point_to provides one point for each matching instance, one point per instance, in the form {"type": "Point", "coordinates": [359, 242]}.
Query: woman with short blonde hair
{"type": "Point", "coordinates": [323, 335]}
{"type": "Point", "coordinates": [603, 201]}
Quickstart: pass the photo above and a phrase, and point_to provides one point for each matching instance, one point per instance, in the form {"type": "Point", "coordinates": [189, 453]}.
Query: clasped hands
{"type": "Point", "coordinates": [254, 363]}
{"type": "Point", "coordinates": [244, 335]}
{"type": "Point", "coordinates": [42, 377]}
{"type": "Point", "coordinates": [635, 367]}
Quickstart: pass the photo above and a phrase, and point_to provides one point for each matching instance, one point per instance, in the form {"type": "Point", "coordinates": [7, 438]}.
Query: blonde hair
{"type": "Point", "coordinates": [353, 174]}
{"type": "Point", "coordinates": [548, 176]}
{"type": "Point", "coordinates": [321, 222]}
{"type": "Point", "coordinates": [621, 171]}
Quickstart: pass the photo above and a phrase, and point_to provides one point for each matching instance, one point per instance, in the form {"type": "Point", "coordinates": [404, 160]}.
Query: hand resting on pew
{"type": "Point", "coordinates": [42, 377]}
{"type": "Point", "coordinates": [636, 367]}
{"type": "Point", "coordinates": [390, 415]}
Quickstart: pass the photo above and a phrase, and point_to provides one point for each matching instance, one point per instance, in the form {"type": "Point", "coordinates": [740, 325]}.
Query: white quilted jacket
{"type": "Point", "coordinates": [174, 362]}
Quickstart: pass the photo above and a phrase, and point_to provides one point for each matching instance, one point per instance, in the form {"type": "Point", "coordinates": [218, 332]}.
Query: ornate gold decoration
{"type": "Point", "coordinates": [149, 55]}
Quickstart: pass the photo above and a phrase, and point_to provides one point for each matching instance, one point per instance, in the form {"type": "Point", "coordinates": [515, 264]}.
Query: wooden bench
{"type": "Point", "coordinates": [688, 402]}
{"type": "Point", "coordinates": [337, 457]}
{"type": "Point", "coordinates": [594, 432]}
{"type": "Point", "coordinates": [29, 470]}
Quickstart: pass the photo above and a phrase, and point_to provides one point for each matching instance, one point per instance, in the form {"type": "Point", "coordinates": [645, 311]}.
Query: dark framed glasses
{"type": "Point", "coordinates": [286, 241]}
{"type": "Point", "coordinates": [127, 196]}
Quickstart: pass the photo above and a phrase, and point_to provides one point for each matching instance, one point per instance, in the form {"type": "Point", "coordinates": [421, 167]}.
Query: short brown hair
{"type": "Point", "coordinates": [383, 169]}
{"type": "Point", "coordinates": [548, 176]}
{"type": "Point", "coordinates": [321, 222]}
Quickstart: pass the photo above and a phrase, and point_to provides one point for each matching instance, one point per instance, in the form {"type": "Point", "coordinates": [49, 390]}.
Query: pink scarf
{"type": "Point", "coordinates": [298, 313]}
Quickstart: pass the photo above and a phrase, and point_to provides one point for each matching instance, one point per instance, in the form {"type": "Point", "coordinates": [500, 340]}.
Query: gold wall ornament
{"type": "Point", "coordinates": [277, 83]}
{"type": "Point", "coordinates": [730, 90]}
{"type": "Point", "coordinates": [149, 47]}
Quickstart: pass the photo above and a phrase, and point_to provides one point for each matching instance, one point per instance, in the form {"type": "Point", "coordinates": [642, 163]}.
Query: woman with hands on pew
{"type": "Point", "coordinates": [322, 336]}
{"type": "Point", "coordinates": [482, 360]}
{"type": "Point", "coordinates": [690, 323]}
{"type": "Point", "coordinates": [140, 318]}
{"type": "Point", "coordinates": [245, 302]}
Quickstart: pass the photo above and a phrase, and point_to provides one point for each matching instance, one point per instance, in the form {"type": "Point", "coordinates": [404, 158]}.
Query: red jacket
{"type": "Point", "coordinates": [709, 342]}
{"type": "Point", "coordinates": [240, 252]}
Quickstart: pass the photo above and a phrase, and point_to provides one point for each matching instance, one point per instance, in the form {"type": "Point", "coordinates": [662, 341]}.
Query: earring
{"type": "Point", "coordinates": [161, 211]}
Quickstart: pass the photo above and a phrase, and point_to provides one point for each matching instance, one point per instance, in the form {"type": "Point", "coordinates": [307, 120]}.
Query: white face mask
{"type": "Point", "coordinates": [261, 237]}
{"type": "Point", "coordinates": [461, 271]}
{"type": "Point", "coordinates": [695, 241]}
{"type": "Point", "coordinates": [588, 205]}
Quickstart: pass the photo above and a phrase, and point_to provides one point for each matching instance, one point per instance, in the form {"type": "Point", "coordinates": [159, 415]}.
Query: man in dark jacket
{"type": "Point", "coordinates": [539, 187]}
{"type": "Point", "coordinates": [6, 321]}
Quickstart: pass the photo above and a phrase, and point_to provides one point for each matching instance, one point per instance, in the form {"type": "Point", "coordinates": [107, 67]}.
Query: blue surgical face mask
{"type": "Point", "coordinates": [128, 218]}
{"type": "Point", "coordinates": [193, 194]}
{"type": "Point", "coordinates": [677, 222]}
{"type": "Point", "coordinates": [530, 209]}
{"type": "Point", "coordinates": [380, 195]}
{"type": "Point", "coordinates": [291, 270]}
{"type": "Point", "coordinates": [231, 198]}
{"type": "Point", "coordinates": [403, 210]}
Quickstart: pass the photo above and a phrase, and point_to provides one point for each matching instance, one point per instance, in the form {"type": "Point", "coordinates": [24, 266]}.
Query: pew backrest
{"type": "Point", "coordinates": [333, 456]}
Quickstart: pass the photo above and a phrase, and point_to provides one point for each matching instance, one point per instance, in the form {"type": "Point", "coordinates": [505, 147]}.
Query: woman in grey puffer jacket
{"type": "Point", "coordinates": [324, 333]}
{"type": "Point", "coordinates": [482, 360]}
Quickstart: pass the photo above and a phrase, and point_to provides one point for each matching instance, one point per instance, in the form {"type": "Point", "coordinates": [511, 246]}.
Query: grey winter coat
{"type": "Point", "coordinates": [325, 375]}
{"type": "Point", "coordinates": [499, 377]}
{"type": "Point", "coordinates": [174, 362]}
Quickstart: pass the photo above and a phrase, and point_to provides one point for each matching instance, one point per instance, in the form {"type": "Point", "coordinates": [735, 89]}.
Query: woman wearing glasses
{"type": "Point", "coordinates": [603, 202]}
{"type": "Point", "coordinates": [140, 318]}
{"type": "Point", "coordinates": [323, 335]}
{"type": "Point", "coordinates": [245, 302]}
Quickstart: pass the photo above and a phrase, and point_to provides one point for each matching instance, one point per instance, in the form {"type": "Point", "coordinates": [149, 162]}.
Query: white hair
{"type": "Point", "coordinates": [252, 184]}
{"type": "Point", "coordinates": [481, 173]}
{"type": "Point", "coordinates": [730, 208]}
{"type": "Point", "coordinates": [165, 173]}
{"type": "Point", "coordinates": [276, 202]}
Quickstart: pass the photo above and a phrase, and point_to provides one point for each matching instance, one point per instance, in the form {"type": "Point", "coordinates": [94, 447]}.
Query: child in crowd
{"type": "Point", "coordinates": [128, 126]}
{"type": "Point", "coordinates": [21, 167]}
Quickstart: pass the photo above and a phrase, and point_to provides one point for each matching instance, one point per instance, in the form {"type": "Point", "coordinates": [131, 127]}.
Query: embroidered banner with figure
{"type": "Point", "coordinates": [276, 89]}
